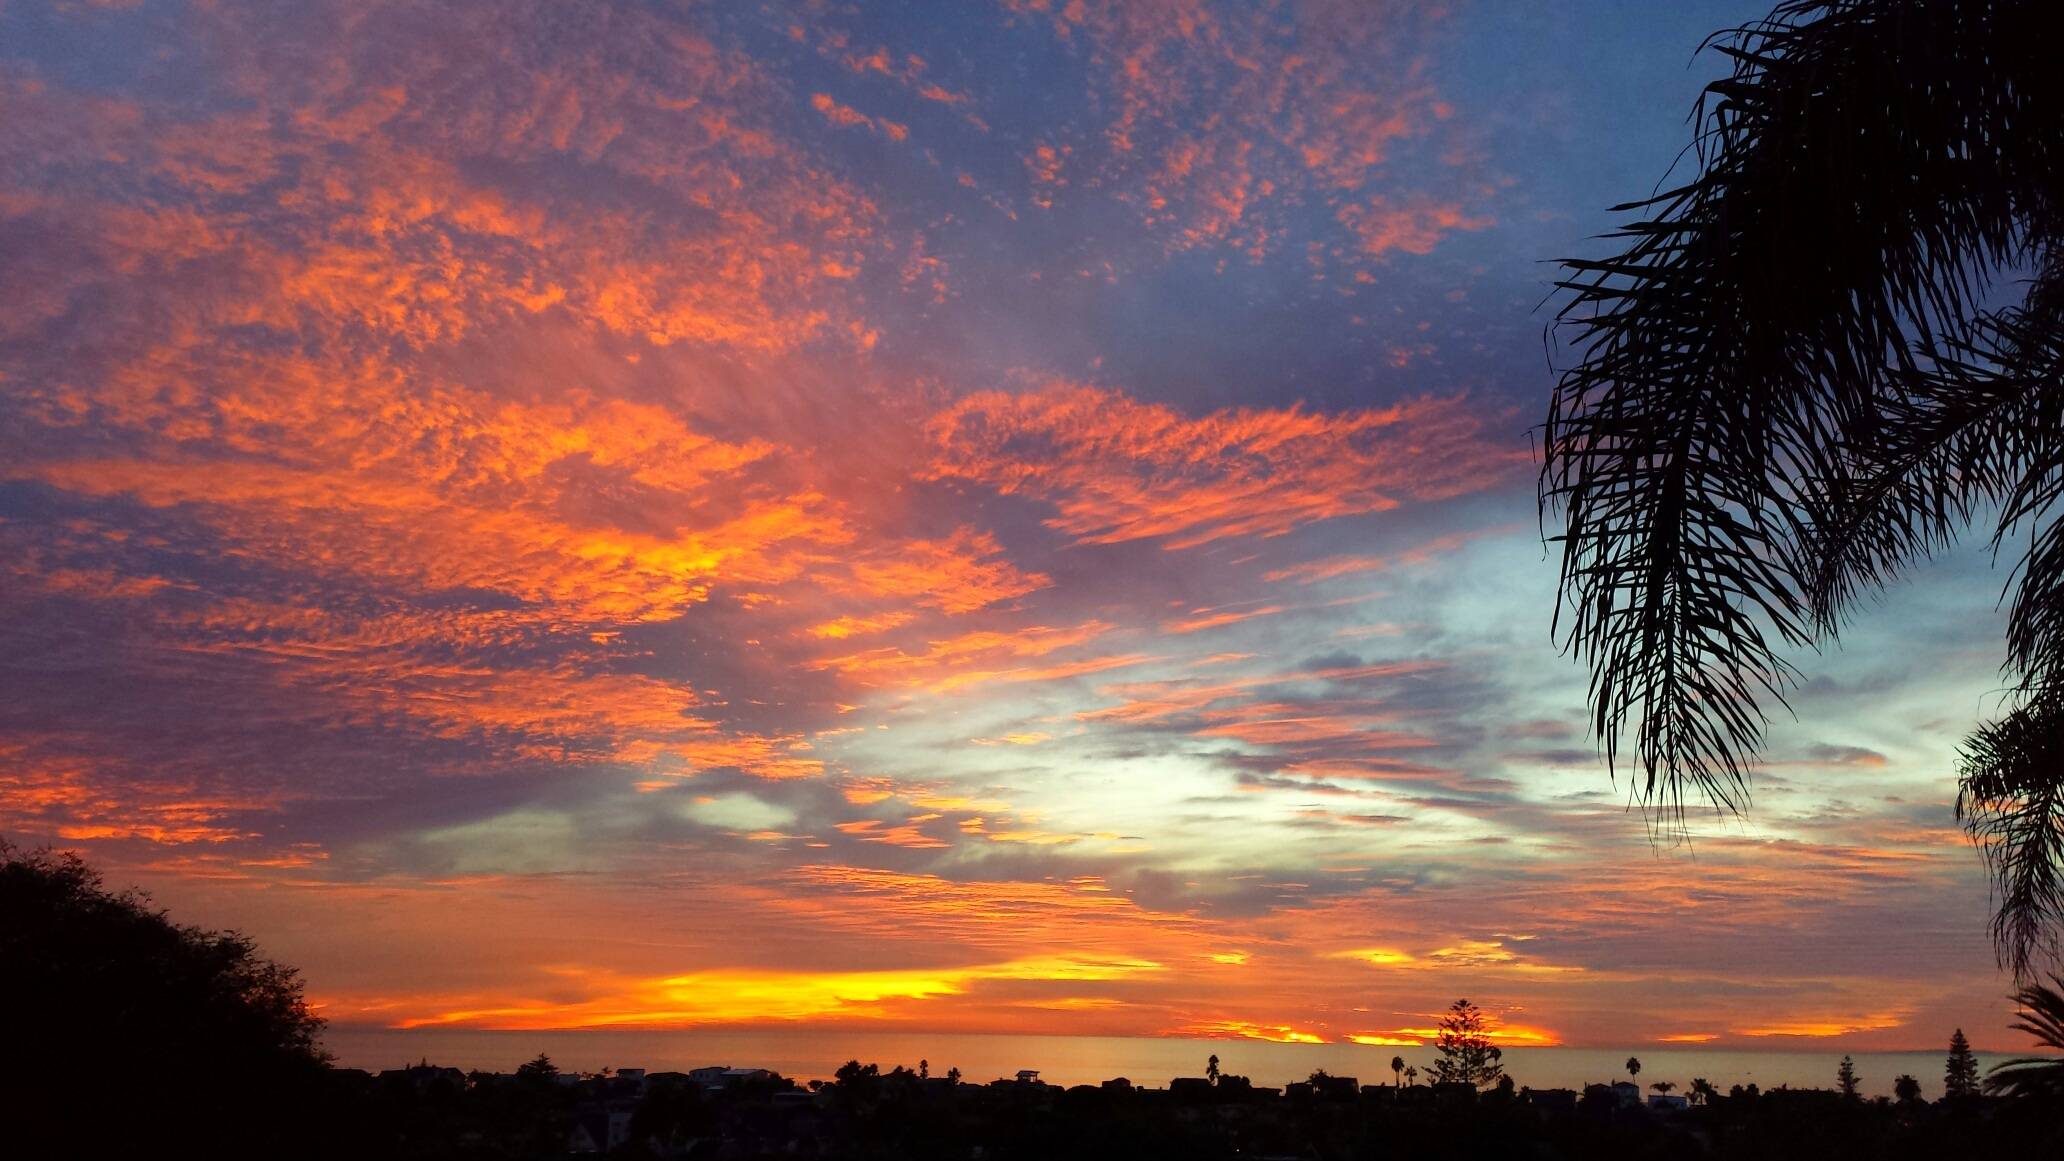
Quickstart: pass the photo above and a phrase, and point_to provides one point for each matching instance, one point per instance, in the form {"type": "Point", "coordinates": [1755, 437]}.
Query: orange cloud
{"type": "Point", "coordinates": [852, 626]}
{"type": "Point", "coordinates": [1027, 738]}
{"type": "Point", "coordinates": [1499, 1033]}
{"type": "Point", "coordinates": [1327, 568]}
{"type": "Point", "coordinates": [845, 116]}
{"type": "Point", "coordinates": [1275, 724]}
{"type": "Point", "coordinates": [1116, 469]}
{"type": "Point", "coordinates": [839, 114]}
{"type": "Point", "coordinates": [1380, 226]}
{"type": "Point", "coordinates": [1461, 956]}
{"type": "Point", "coordinates": [873, 830]}
{"type": "Point", "coordinates": [962, 573]}
{"type": "Point", "coordinates": [74, 802]}
{"type": "Point", "coordinates": [1201, 619]}
{"type": "Point", "coordinates": [1222, 120]}
{"type": "Point", "coordinates": [1823, 1027]}
{"type": "Point", "coordinates": [1247, 1030]}
{"type": "Point", "coordinates": [1082, 916]}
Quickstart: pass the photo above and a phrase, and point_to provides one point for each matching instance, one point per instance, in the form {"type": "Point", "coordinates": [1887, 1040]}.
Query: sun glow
{"type": "Point", "coordinates": [742, 997]}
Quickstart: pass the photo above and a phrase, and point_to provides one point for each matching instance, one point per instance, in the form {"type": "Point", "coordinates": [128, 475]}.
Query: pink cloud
{"type": "Point", "coordinates": [1116, 469]}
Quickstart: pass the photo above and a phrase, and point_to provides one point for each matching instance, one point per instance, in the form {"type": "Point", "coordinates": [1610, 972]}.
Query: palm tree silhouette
{"type": "Point", "coordinates": [1791, 382]}
{"type": "Point", "coordinates": [2042, 1016]}
{"type": "Point", "coordinates": [1633, 1067]}
{"type": "Point", "coordinates": [1397, 1068]}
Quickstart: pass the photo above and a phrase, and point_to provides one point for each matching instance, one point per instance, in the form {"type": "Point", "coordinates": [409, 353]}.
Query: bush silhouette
{"type": "Point", "coordinates": [127, 1029]}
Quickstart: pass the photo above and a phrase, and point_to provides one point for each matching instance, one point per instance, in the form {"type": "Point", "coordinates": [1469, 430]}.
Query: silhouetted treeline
{"type": "Point", "coordinates": [868, 1114]}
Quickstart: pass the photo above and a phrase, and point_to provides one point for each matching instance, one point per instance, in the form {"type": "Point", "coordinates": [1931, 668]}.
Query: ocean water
{"type": "Point", "coordinates": [806, 1053]}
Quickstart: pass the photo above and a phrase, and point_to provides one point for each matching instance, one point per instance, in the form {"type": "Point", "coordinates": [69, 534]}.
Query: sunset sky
{"type": "Point", "coordinates": [974, 516]}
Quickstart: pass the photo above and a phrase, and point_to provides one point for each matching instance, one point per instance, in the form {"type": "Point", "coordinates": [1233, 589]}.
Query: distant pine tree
{"type": "Point", "coordinates": [1845, 1078]}
{"type": "Point", "coordinates": [1961, 1078]}
{"type": "Point", "coordinates": [1467, 1054]}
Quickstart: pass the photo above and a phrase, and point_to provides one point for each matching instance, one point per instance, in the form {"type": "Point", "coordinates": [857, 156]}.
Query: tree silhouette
{"type": "Point", "coordinates": [1664, 1086]}
{"type": "Point", "coordinates": [1633, 1068]}
{"type": "Point", "coordinates": [2035, 1077]}
{"type": "Point", "coordinates": [855, 1075]}
{"type": "Point", "coordinates": [1211, 1069]}
{"type": "Point", "coordinates": [1907, 1089]}
{"type": "Point", "coordinates": [538, 1070]}
{"type": "Point", "coordinates": [1397, 1070]}
{"type": "Point", "coordinates": [93, 980]}
{"type": "Point", "coordinates": [1790, 384]}
{"type": "Point", "coordinates": [1845, 1078]}
{"type": "Point", "coordinates": [1467, 1055]}
{"type": "Point", "coordinates": [1702, 1090]}
{"type": "Point", "coordinates": [1411, 1075]}
{"type": "Point", "coordinates": [1960, 1078]}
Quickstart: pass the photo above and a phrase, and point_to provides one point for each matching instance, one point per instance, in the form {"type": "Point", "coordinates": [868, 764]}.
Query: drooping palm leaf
{"type": "Point", "coordinates": [1958, 439]}
{"type": "Point", "coordinates": [2042, 1016]}
{"type": "Point", "coordinates": [1984, 426]}
{"type": "Point", "coordinates": [1858, 180]}
{"type": "Point", "coordinates": [2012, 800]}
{"type": "Point", "coordinates": [1792, 381]}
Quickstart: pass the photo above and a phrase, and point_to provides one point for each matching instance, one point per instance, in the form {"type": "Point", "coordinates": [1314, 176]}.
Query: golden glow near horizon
{"type": "Point", "coordinates": [697, 515]}
{"type": "Point", "coordinates": [746, 997]}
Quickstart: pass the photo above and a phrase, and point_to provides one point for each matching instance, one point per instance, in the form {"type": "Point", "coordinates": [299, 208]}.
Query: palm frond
{"type": "Point", "coordinates": [1934, 460]}
{"type": "Point", "coordinates": [2042, 1017]}
{"type": "Point", "coordinates": [1985, 425]}
{"type": "Point", "coordinates": [2026, 344]}
{"type": "Point", "coordinates": [1862, 174]}
{"type": "Point", "coordinates": [2011, 801]}
{"type": "Point", "coordinates": [1973, 419]}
